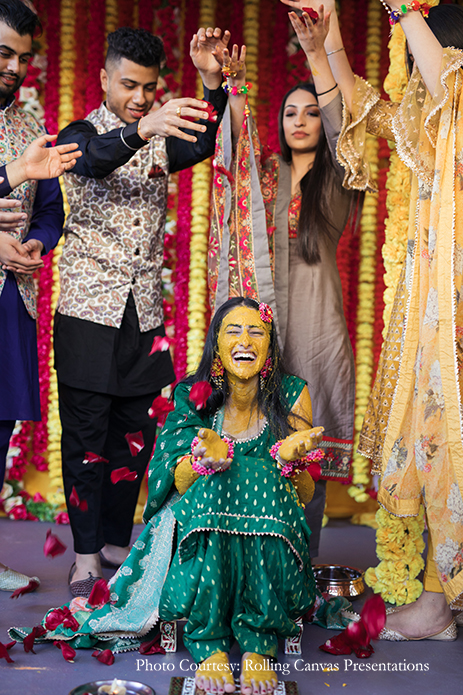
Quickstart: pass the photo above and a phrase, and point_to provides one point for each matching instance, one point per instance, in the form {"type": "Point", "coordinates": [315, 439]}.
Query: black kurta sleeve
{"type": "Point", "coordinates": [101, 154]}
{"type": "Point", "coordinates": [184, 154]}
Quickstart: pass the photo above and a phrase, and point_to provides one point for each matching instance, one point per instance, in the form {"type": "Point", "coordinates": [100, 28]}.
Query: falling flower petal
{"type": "Point", "coordinates": [374, 615]}
{"type": "Point", "coordinates": [62, 518]}
{"type": "Point", "coordinates": [106, 656]}
{"type": "Point", "coordinates": [123, 473]}
{"type": "Point", "coordinates": [152, 647]}
{"type": "Point", "coordinates": [28, 641]}
{"type": "Point", "coordinates": [53, 546]}
{"type": "Point", "coordinates": [135, 442]}
{"type": "Point", "coordinates": [160, 406]}
{"type": "Point", "coordinates": [315, 471]}
{"type": "Point", "coordinates": [211, 114]}
{"type": "Point", "coordinates": [199, 393]}
{"type": "Point", "coordinates": [99, 594]}
{"type": "Point", "coordinates": [161, 343]}
{"type": "Point", "coordinates": [74, 498]}
{"type": "Point", "coordinates": [313, 14]}
{"type": "Point", "coordinates": [32, 586]}
{"type": "Point", "coordinates": [67, 651]}
{"type": "Point", "coordinates": [4, 652]}
{"type": "Point", "coordinates": [90, 457]}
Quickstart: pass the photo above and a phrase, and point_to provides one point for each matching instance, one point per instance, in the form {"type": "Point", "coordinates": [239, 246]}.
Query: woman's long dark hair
{"type": "Point", "coordinates": [314, 218]}
{"type": "Point", "coordinates": [270, 401]}
{"type": "Point", "coordinates": [446, 23]}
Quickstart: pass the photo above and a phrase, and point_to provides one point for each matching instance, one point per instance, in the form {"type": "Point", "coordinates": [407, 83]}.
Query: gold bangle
{"type": "Point", "coordinates": [139, 134]}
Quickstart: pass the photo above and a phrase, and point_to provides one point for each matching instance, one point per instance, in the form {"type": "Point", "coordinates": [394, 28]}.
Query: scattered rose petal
{"type": "Point", "coordinates": [74, 497]}
{"type": "Point", "coordinates": [32, 586]}
{"type": "Point", "coordinates": [83, 506]}
{"type": "Point", "coordinates": [28, 641]}
{"type": "Point", "coordinates": [374, 615]}
{"type": "Point", "coordinates": [99, 594]}
{"type": "Point", "coordinates": [161, 343]}
{"type": "Point", "coordinates": [152, 647]}
{"type": "Point", "coordinates": [160, 406]}
{"type": "Point", "coordinates": [211, 114]}
{"type": "Point", "coordinates": [61, 616]}
{"type": "Point", "coordinates": [123, 473]}
{"type": "Point", "coordinates": [53, 546]}
{"type": "Point", "coordinates": [135, 442]}
{"type": "Point", "coordinates": [315, 471]}
{"type": "Point", "coordinates": [336, 645]}
{"type": "Point", "coordinates": [357, 634]}
{"type": "Point", "coordinates": [62, 518]}
{"type": "Point", "coordinates": [199, 393]}
{"type": "Point", "coordinates": [313, 14]}
{"type": "Point", "coordinates": [90, 457]}
{"type": "Point", "coordinates": [4, 651]}
{"type": "Point", "coordinates": [67, 651]}
{"type": "Point", "coordinates": [106, 656]}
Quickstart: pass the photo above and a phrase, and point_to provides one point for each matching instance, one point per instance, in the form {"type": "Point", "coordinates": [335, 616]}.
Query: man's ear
{"type": "Point", "coordinates": [104, 80]}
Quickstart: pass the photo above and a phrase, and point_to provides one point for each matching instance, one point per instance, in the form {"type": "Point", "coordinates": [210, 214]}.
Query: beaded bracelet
{"type": "Point", "coordinates": [236, 90]}
{"type": "Point", "coordinates": [207, 470]}
{"type": "Point", "coordinates": [289, 468]}
{"type": "Point", "coordinates": [396, 15]}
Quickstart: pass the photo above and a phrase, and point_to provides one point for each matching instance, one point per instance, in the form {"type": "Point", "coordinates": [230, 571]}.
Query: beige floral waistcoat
{"type": "Point", "coordinates": [115, 237]}
{"type": "Point", "coordinates": [17, 130]}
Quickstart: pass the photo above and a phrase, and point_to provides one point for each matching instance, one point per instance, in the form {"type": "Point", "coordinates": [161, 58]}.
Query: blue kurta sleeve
{"type": "Point", "coordinates": [5, 188]}
{"type": "Point", "coordinates": [47, 215]}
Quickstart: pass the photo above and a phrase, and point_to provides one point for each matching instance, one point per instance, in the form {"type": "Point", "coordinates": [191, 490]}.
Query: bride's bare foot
{"type": "Point", "coordinates": [426, 616]}
{"type": "Point", "coordinates": [214, 674]}
{"type": "Point", "coordinates": [257, 676]}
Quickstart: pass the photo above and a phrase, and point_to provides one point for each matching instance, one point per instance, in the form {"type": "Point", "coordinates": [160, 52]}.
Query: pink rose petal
{"type": "Point", "coordinates": [199, 393]}
{"type": "Point", "coordinates": [135, 442]}
{"type": "Point", "coordinates": [91, 457]}
{"type": "Point", "coordinates": [123, 473]}
{"type": "Point", "coordinates": [106, 656]}
{"type": "Point", "coordinates": [160, 406]}
{"type": "Point", "coordinates": [53, 546]}
{"type": "Point", "coordinates": [99, 594]}
{"type": "Point", "coordinates": [161, 343]}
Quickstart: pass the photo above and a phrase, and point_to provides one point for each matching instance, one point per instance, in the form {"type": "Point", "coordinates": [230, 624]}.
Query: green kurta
{"type": "Point", "coordinates": [242, 568]}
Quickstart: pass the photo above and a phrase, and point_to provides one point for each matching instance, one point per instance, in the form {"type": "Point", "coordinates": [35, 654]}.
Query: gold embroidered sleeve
{"type": "Point", "coordinates": [379, 119]}
{"type": "Point", "coordinates": [185, 476]}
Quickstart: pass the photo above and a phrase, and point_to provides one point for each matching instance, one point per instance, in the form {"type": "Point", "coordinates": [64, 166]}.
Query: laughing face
{"type": "Point", "coordinates": [243, 342]}
{"type": "Point", "coordinates": [130, 88]}
{"type": "Point", "coordinates": [15, 54]}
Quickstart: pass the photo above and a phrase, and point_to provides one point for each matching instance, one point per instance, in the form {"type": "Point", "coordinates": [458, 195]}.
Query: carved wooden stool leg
{"type": "Point", "coordinates": [168, 635]}
{"type": "Point", "coordinates": [293, 645]}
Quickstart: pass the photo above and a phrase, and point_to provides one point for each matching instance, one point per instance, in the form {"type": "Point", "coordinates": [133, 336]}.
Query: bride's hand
{"type": "Point", "coordinates": [300, 443]}
{"type": "Point", "coordinates": [212, 450]}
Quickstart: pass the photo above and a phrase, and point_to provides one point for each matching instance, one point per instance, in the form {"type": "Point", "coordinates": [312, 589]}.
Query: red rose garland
{"type": "Point", "coordinates": [145, 14]}
{"type": "Point", "coordinates": [125, 13]}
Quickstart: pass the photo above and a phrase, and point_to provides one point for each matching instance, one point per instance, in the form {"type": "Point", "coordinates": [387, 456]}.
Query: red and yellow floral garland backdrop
{"type": "Point", "coordinates": [63, 85]}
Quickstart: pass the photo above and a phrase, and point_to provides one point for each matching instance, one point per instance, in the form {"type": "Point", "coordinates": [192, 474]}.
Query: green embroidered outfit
{"type": "Point", "coordinates": [241, 568]}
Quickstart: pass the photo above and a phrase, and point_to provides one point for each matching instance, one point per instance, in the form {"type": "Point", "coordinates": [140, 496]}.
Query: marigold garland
{"type": "Point", "coordinates": [201, 183]}
{"type": "Point", "coordinates": [112, 16]}
{"type": "Point", "coordinates": [67, 63]}
{"type": "Point", "coordinates": [399, 544]}
{"type": "Point", "coordinates": [367, 273]}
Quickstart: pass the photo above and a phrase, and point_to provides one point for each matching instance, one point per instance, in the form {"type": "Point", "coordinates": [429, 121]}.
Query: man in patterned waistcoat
{"type": "Point", "coordinates": [110, 306]}
{"type": "Point", "coordinates": [25, 235]}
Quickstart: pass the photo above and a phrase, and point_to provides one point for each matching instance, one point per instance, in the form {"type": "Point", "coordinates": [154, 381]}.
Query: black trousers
{"type": "Point", "coordinates": [97, 423]}
{"type": "Point", "coordinates": [314, 515]}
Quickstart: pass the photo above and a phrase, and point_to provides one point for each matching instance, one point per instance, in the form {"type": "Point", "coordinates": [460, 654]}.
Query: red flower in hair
{"type": "Point", "coordinates": [266, 313]}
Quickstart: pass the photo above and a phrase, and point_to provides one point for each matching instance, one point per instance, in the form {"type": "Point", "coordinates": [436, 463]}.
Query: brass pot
{"type": "Point", "coordinates": [338, 580]}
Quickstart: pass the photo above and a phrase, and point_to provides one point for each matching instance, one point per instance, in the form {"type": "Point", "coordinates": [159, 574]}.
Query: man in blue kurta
{"type": "Point", "coordinates": [32, 233]}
